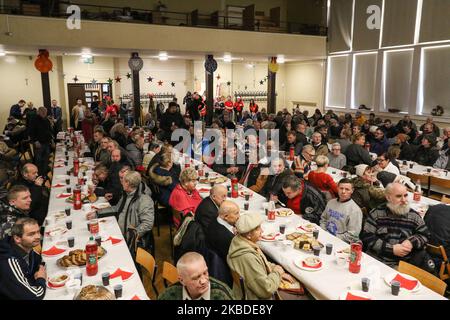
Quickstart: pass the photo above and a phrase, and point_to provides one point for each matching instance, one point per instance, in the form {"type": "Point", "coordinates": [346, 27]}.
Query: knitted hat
{"type": "Point", "coordinates": [360, 169]}
{"type": "Point", "coordinates": [248, 222]}
{"type": "Point", "coordinates": [386, 177]}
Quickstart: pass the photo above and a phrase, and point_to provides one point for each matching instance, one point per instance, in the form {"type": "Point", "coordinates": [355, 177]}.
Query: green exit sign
{"type": "Point", "coordinates": [89, 60]}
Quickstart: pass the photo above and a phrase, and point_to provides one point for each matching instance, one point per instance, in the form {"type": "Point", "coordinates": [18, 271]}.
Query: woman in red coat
{"type": "Point", "coordinates": [185, 198]}
{"type": "Point", "coordinates": [253, 107]}
{"type": "Point", "coordinates": [238, 107]}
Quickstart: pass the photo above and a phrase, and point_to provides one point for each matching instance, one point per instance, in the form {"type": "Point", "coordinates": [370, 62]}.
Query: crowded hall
{"type": "Point", "coordinates": [225, 150]}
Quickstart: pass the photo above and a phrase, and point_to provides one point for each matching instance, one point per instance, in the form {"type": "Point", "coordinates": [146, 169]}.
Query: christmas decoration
{"type": "Point", "coordinates": [128, 75]}
{"type": "Point", "coordinates": [75, 79]}
{"type": "Point", "coordinates": [110, 81]}
{"type": "Point", "coordinates": [228, 83]}
{"type": "Point", "coordinates": [218, 77]}
{"type": "Point", "coordinates": [93, 82]}
{"type": "Point", "coordinates": [149, 79]}
{"type": "Point", "coordinates": [261, 82]}
{"type": "Point", "coordinates": [210, 64]}
{"type": "Point", "coordinates": [43, 63]}
{"type": "Point", "coordinates": [160, 83]}
{"type": "Point", "coordinates": [118, 79]}
{"type": "Point", "coordinates": [173, 84]}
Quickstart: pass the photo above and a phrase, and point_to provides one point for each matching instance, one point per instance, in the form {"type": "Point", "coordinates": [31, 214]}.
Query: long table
{"type": "Point", "coordinates": [117, 256]}
{"type": "Point", "coordinates": [333, 280]}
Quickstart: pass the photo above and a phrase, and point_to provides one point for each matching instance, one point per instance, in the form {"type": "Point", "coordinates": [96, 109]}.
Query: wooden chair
{"type": "Point", "coordinates": [169, 274]}
{"type": "Point", "coordinates": [445, 199]}
{"type": "Point", "coordinates": [426, 278]}
{"type": "Point", "coordinates": [424, 180]}
{"type": "Point", "coordinates": [239, 282]}
{"type": "Point", "coordinates": [146, 261]}
{"type": "Point", "coordinates": [439, 182]}
{"type": "Point", "coordinates": [439, 251]}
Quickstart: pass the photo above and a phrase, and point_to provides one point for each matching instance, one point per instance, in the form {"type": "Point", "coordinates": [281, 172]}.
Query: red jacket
{"type": "Point", "coordinates": [239, 105]}
{"type": "Point", "coordinates": [323, 181]}
{"type": "Point", "coordinates": [253, 108]}
{"type": "Point", "coordinates": [181, 201]}
{"type": "Point", "coordinates": [229, 105]}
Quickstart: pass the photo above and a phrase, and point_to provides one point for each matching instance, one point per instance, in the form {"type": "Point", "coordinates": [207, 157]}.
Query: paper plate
{"type": "Point", "coordinates": [299, 264]}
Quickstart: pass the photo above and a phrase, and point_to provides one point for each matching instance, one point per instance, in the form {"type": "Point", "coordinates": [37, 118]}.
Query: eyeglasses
{"type": "Point", "coordinates": [336, 149]}
{"type": "Point", "coordinates": [381, 160]}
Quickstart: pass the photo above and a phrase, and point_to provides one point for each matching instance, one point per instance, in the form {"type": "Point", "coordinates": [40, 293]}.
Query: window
{"type": "Point", "coordinates": [434, 78]}
{"type": "Point", "coordinates": [337, 81]}
{"type": "Point", "coordinates": [364, 78]}
{"type": "Point", "coordinates": [397, 72]}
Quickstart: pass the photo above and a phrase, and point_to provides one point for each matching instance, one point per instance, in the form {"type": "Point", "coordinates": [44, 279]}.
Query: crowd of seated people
{"type": "Point", "coordinates": [132, 177]}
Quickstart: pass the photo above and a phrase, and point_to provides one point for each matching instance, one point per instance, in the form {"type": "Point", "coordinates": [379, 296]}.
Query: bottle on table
{"type": "Point", "coordinates": [354, 265]}
{"type": "Point", "coordinates": [271, 211]}
{"type": "Point", "coordinates": [77, 198]}
{"type": "Point", "coordinates": [417, 195]}
{"type": "Point", "coordinates": [76, 166]}
{"type": "Point", "coordinates": [91, 257]}
{"type": "Point", "coordinates": [234, 186]}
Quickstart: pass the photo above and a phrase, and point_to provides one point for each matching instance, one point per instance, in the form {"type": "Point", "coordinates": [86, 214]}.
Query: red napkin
{"type": "Point", "coordinates": [63, 195]}
{"type": "Point", "coordinates": [273, 238]}
{"type": "Point", "coordinates": [114, 240]}
{"type": "Point", "coordinates": [140, 168]}
{"type": "Point", "coordinates": [53, 251]}
{"type": "Point", "coordinates": [59, 185]}
{"type": "Point", "coordinates": [125, 275]}
{"type": "Point", "coordinates": [353, 297]}
{"type": "Point", "coordinates": [135, 297]}
{"type": "Point", "coordinates": [59, 166]}
{"type": "Point", "coordinates": [50, 285]}
{"type": "Point", "coordinates": [203, 190]}
{"type": "Point", "coordinates": [316, 267]}
{"type": "Point", "coordinates": [405, 283]}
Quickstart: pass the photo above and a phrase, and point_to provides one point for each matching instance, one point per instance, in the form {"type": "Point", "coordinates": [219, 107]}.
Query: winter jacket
{"type": "Point", "coordinates": [16, 276]}
{"type": "Point", "coordinates": [8, 216]}
{"type": "Point", "coordinates": [437, 220]}
{"type": "Point", "coordinates": [165, 190]}
{"type": "Point", "coordinates": [321, 149]}
{"type": "Point", "coordinates": [426, 156]}
{"type": "Point", "coordinates": [379, 147]}
{"type": "Point", "coordinates": [206, 212]}
{"type": "Point", "coordinates": [247, 259]}
{"type": "Point", "coordinates": [218, 289]}
{"type": "Point", "coordinates": [274, 185]}
{"type": "Point", "coordinates": [312, 204]}
{"type": "Point", "coordinates": [39, 199]}
{"type": "Point", "coordinates": [136, 154]}
{"type": "Point", "coordinates": [356, 154]}
{"type": "Point", "coordinates": [366, 195]}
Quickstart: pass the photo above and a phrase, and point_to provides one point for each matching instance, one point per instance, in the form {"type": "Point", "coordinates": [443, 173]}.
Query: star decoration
{"type": "Point", "coordinates": [245, 87]}
{"type": "Point", "coordinates": [93, 82]}
{"type": "Point", "coordinates": [261, 82]}
{"type": "Point", "coordinates": [110, 81]}
{"type": "Point", "coordinates": [128, 75]}
{"type": "Point", "coordinates": [173, 84]}
{"type": "Point", "coordinates": [149, 79]}
{"type": "Point", "coordinates": [218, 77]}
{"type": "Point", "coordinates": [160, 83]}
{"type": "Point", "coordinates": [118, 79]}
{"type": "Point", "coordinates": [75, 79]}
{"type": "Point", "coordinates": [228, 83]}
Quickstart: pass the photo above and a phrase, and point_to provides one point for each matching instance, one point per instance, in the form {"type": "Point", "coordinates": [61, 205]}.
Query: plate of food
{"type": "Point", "coordinates": [295, 287]}
{"type": "Point", "coordinates": [269, 237]}
{"type": "Point", "coordinates": [355, 295]}
{"type": "Point", "coordinates": [59, 215]}
{"type": "Point", "coordinates": [283, 212]}
{"type": "Point", "coordinates": [57, 281]}
{"type": "Point", "coordinates": [85, 198]}
{"type": "Point", "coordinates": [77, 258]}
{"type": "Point", "coordinates": [303, 241]}
{"type": "Point", "coordinates": [55, 231]}
{"type": "Point", "coordinates": [218, 180]}
{"type": "Point", "coordinates": [100, 206]}
{"type": "Point", "coordinates": [310, 264]}
{"type": "Point", "coordinates": [309, 227]}
{"type": "Point", "coordinates": [407, 283]}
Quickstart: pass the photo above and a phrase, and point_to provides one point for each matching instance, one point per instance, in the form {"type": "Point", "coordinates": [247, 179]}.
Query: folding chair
{"type": "Point", "coordinates": [146, 261]}
{"type": "Point", "coordinates": [439, 251]}
{"type": "Point", "coordinates": [169, 274]}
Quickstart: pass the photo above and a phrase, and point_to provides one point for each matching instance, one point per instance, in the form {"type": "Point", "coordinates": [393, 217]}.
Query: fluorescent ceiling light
{"type": "Point", "coordinates": [227, 57]}
{"type": "Point", "coordinates": [2, 53]}
{"type": "Point", "coordinates": [280, 59]}
{"type": "Point", "coordinates": [86, 56]}
{"type": "Point", "coordinates": [163, 56]}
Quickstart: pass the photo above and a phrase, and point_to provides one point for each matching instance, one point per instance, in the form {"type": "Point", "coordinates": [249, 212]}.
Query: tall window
{"type": "Point", "coordinates": [337, 81]}
{"type": "Point", "coordinates": [364, 78]}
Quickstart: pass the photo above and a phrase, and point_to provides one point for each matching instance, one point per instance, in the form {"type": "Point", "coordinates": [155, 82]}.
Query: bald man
{"type": "Point", "coordinates": [195, 282]}
{"type": "Point", "coordinates": [208, 209]}
{"type": "Point", "coordinates": [221, 230]}
{"type": "Point", "coordinates": [394, 232]}
{"type": "Point", "coordinates": [39, 197]}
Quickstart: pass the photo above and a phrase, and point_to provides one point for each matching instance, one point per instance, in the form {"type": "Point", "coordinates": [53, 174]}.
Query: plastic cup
{"type": "Point", "coordinates": [69, 224]}
{"type": "Point", "coordinates": [316, 250]}
{"type": "Point", "coordinates": [105, 279]}
{"type": "Point", "coordinates": [118, 291]}
{"type": "Point", "coordinates": [68, 189]}
{"type": "Point", "coordinates": [411, 165]}
{"type": "Point", "coordinates": [365, 283]}
{"type": "Point", "coordinates": [206, 174]}
{"type": "Point", "coordinates": [66, 163]}
{"type": "Point", "coordinates": [79, 276]}
{"type": "Point", "coordinates": [71, 241]}
{"type": "Point", "coordinates": [246, 205]}
{"type": "Point", "coordinates": [282, 228]}
{"type": "Point", "coordinates": [316, 234]}
{"type": "Point", "coordinates": [428, 170]}
{"type": "Point", "coordinates": [67, 181]}
{"type": "Point", "coordinates": [98, 239]}
{"type": "Point", "coordinates": [247, 197]}
{"type": "Point", "coordinates": [395, 288]}
{"type": "Point", "coordinates": [329, 248]}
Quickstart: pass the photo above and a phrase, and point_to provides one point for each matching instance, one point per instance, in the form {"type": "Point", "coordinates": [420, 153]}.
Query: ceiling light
{"type": "Point", "coordinates": [2, 53]}
{"type": "Point", "coordinates": [280, 59]}
{"type": "Point", "coordinates": [86, 56]}
{"type": "Point", "coordinates": [227, 57]}
{"type": "Point", "coordinates": [163, 56]}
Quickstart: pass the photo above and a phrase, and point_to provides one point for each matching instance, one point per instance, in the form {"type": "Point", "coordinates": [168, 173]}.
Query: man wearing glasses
{"type": "Point", "coordinates": [381, 144]}
{"type": "Point", "coordinates": [386, 165]}
{"type": "Point", "coordinates": [302, 163]}
{"type": "Point", "coordinates": [337, 159]}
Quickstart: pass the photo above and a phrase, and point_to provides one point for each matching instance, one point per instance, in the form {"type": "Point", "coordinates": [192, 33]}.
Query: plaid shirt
{"type": "Point", "coordinates": [383, 230]}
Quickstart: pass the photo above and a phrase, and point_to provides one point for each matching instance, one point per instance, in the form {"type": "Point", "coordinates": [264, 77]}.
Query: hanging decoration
{"type": "Point", "coordinates": [210, 64]}
{"type": "Point", "coordinates": [75, 79]}
{"type": "Point", "coordinates": [128, 75]}
{"type": "Point", "coordinates": [273, 65]}
{"type": "Point", "coordinates": [160, 83]}
{"type": "Point", "coordinates": [149, 79]}
{"type": "Point", "coordinates": [43, 64]}
{"type": "Point", "coordinates": [110, 81]}
{"type": "Point", "coordinates": [93, 82]}
{"type": "Point", "coordinates": [118, 79]}
{"type": "Point", "coordinates": [173, 84]}
{"type": "Point", "coordinates": [135, 62]}
{"type": "Point", "coordinates": [218, 77]}
{"type": "Point", "coordinates": [228, 83]}
{"type": "Point", "coordinates": [261, 82]}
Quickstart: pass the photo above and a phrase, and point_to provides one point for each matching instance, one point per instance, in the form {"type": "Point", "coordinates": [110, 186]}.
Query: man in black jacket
{"type": "Point", "coordinates": [427, 154]}
{"type": "Point", "coordinates": [192, 107]}
{"type": "Point", "coordinates": [278, 173]}
{"type": "Point", "coordinates": [41, 134]}
{"type": "Point", "coordinates": [291, 141]}
{"type": "Point", "coordinates": [22, 276]}
{"type": "Point", "coordinates": [207, 209]}
{"type": "Point", "coordinates": [304, 199]}
{"type": "Point", "coordinates": [108, 186]}
{"type": "Point", "coordinates": [221, 230]}
{"type": "Point", "coordinates": [355, 153]}
{"type": "Point", "coordinates": [437, 220]}
{"type": "Point", "coordinates": [170, 121]}
{"type": "Point", "coordinates": [39, 201]}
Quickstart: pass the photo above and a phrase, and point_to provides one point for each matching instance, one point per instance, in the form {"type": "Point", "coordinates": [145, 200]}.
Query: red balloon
{"type": "Point", "coordinates": [43, 64]}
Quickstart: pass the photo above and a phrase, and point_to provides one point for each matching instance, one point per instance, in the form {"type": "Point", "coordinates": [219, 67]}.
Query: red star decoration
{"type": "Point", "coordinates": [160, 83]}
{"type": "Point", "coordinates": [118, 79]}
{"type": "Point", "coordinates": [218, 77]}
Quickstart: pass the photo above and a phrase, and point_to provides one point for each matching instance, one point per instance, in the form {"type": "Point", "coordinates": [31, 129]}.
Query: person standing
{"type": "Point", "coordinates": [16, 110]}
{"type": "Point", "coordinates": [78, 114]}
{"type": "Point", "coordinates": [56, 115]}
{"type": "Point", "coordinates": [41, 135]}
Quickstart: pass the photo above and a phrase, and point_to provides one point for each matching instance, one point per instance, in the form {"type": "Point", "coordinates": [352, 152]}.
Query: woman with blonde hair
{"type": "Point", "coordinates": [320, 179]}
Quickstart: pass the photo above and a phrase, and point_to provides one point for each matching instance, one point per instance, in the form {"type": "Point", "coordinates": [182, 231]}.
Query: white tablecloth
{"type": "Point", "coordinates": [117, 255]}
{"type": "Point", "coordinates": [330, 282]}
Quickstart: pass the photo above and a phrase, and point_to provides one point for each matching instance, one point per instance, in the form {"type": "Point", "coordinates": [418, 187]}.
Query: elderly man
{"type": "Point", "coordinates": [19, 203]}
{"type": "Point", "coordinates": [222, 229]}
{"type": "Point", "coordinates": [22, 275]}
{"type": "Point", "coordinates": [394, 232]}
{"type": "Point", "coordinates": [134, 211]}
{"type": "Point", "coordinates": [302, 163]}
{"type": "Point", "coordinates": [195, 282]}
{"type": "Point", "coordinates": [304, 199]}
{"type": "Point", "coordinates": [107, 184]}
{"type": "Point", "coordinates": [336, 158]}
{"type": "Point", "coordinates": [136, 149]}
{"type": "Point", "coordinates": [342, 217]}
{"type": "Point", "coordinates": [208, 209]}
{"type": "Point", "coordinates": [41, 133]}
{"type": "Point", "coordinates": [39, 201]}
{"type": "Point", "coordinates": [321, 148]}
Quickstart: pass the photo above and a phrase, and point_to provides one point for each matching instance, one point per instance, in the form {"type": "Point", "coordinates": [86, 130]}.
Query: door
{"type": "Point", "coordinates": [249, 17]}
{"type": "Point", "coordinates": [75, 91]}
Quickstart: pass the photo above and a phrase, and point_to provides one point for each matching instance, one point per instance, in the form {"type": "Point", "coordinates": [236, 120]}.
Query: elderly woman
{"type": "Point", "coordinates": [261, 278]}
{"type": "Point", "coordinates": [185, 198]}
{"type": "Point", "coordinates": [336, 158]}
{"type": "Point", "coordinates": [320, 179]}
{"type": "Point", "coordinates": [169, 176]}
